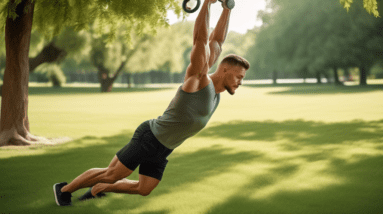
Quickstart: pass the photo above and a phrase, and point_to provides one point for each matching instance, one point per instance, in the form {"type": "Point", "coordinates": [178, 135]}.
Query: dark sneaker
{"type": "Point", "coordinates": [62, 198]}
{"type": "Point", "coordinates": [88, 195]}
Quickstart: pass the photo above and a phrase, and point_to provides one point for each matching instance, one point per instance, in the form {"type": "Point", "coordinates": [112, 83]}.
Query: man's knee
{"type": "Point", "coordinates": [144, 192]}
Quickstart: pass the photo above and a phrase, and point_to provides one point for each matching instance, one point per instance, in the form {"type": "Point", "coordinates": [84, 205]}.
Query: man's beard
{"type": "Point", "coordinates": [229, 90]}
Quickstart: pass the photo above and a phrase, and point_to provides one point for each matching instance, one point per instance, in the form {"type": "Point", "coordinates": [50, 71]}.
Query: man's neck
{"type": "Point", "coordinates": [218, 83]}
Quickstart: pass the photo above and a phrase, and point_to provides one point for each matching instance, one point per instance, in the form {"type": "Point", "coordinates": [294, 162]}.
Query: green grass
{"type": "Point", "coordinates": [285, 149]}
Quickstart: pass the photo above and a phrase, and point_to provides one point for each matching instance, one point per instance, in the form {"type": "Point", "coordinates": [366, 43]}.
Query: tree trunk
{"type": "Point", "coordinates": [336, 76]}
{"type": "Point", "coordinates": [105, 80]}
{"type": "Point", "coordinates": [14, 106]}
{"type": "Point", "coordinates": [55, 81]}
{"type": "Point", "coordinates": [50, 53]}
{"type": "Point", "coordinates": [318, 75]}
{"type": "Point", "coordinates": [275, 76]}
{"type": "Point", "coordinates": [129, 80]}
{"type": "Point", "coordinates": [363, 75]}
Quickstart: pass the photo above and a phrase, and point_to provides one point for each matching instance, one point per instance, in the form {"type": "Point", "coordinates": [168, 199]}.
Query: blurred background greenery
{"type": "Point", "coordinates": [317, 40]}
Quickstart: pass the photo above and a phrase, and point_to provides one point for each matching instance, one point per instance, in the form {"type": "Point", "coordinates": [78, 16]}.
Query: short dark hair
{"type": "Point", "coordinates": [233, 59]}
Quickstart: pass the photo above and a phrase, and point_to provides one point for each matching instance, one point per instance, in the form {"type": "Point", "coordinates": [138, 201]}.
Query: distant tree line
{"type": "Point", "coordinates": [310, 38]}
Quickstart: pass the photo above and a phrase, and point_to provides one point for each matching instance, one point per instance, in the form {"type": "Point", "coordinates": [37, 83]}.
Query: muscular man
{"type": "Point", "coordinates": [188, 113]}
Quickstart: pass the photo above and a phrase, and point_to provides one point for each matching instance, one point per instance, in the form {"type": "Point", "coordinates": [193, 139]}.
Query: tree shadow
{"type": "Point", "coordinates": [360, 193]}
{"type": "Point", "coordinates": [310, 89]}
{"type": "Point", "coordinates": [297, 131]}
{"type": "Point", "coordinates": [27, 184]}
{"type": "Point", "coordinates": [334, 168]}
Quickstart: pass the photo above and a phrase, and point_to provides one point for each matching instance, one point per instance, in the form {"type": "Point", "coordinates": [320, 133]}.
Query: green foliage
{"type": "Point", "coordinates": [239, 44]}
{"type": "Point", "coordinates": [165, 50]}
{"type": "Point", "coordinates": [53, 72]}
{"type": "Point", "coordinates": [51, 16]}
{"type": "Point", "coordinates": [311, 36]}
{"type": "Point", "coordinates": [74, 43]}
{"type": "Point", "coordinates": [371, 6]}
{"type": "Point", "coordinates": [346, 3]}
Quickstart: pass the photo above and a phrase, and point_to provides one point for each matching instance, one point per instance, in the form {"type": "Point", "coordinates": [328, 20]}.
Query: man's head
{"type": "Point", "coordinates": [233, 69]}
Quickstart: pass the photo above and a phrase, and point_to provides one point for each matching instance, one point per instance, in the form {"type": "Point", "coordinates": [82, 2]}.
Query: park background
{"type": "Point", "coordinates": [302, 135]}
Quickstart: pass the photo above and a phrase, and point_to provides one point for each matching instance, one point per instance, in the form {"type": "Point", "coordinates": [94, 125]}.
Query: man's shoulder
{"type": "Point", "coordinates": [195, 83]}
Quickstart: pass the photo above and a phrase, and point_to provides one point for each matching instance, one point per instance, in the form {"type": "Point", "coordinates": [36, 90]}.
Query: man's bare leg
{"type": "Point", "coordinates": [115, 171]}
{"type": "Point", "coordinates": [143, 186]}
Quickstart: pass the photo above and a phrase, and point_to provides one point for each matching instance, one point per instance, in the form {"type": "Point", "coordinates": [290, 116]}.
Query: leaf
{"type": "Point", "coordinates": [346, 3]}
{"type": "Point", "coordinates": [372, 7]}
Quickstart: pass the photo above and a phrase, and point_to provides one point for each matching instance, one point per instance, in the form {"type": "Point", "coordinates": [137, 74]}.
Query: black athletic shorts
{"type": "Point", "coordinates": [145, 150]}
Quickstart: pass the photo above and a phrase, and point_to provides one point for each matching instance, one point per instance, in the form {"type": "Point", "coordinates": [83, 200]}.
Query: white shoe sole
{"type": "Point", "coordinates": [54, 190]}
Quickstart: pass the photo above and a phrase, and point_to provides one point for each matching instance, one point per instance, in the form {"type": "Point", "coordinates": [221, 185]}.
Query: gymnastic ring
{"type": "Point", "coordinates": [191, 10]}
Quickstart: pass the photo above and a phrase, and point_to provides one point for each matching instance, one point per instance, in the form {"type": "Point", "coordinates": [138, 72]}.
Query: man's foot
{"type": "Point", "coordinates": [88, 195]}
{"type": "Point", "coordinates": [62, 198]}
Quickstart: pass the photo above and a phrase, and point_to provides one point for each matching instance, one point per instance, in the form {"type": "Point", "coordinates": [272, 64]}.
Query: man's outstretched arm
{"type": "Point", "coordinates": [218, 36]}
{"type": "Point", "coordinates": [200, 54]}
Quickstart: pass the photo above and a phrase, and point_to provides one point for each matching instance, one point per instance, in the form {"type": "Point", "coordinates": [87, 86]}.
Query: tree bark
{"type": "Point", "coordinates": [363, 75]}
{"type": "Point", "coordinates": [14, 128]}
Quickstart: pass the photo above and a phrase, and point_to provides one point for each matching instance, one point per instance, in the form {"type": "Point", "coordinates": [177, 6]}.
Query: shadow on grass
{"type": "Point", "coordinates": [311, 168]}
{"type": "Point", "coordinates": [28, 181]}
{"type": "Point", "coordinates": [315, 167]}
{"type": "Point", "coordinates": [298, 131]}
{"type": "Point", "coordinates": [361, 193]}
{"type": "Point", "coordinates": [313, 89]}
{"type": "Point", "coordinates": [84, 90]}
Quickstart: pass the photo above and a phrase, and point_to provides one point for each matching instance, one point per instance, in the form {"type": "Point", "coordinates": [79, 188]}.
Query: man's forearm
{"type": "Point", "coordinates": [220, 31]}
{"type": "Point", "coordinates": [201, 26]}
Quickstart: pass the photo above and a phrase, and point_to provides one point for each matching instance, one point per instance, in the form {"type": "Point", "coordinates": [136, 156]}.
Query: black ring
{"type": "Point", "coordinates": [191, 11]}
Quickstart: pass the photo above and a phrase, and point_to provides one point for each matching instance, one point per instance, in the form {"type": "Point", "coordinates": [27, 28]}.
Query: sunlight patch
{"type": "Point", "coordinates": [357, 151]}
{"type": "Point", "coordinates": [83, 143]}
{"type": "Point", "coordinates": [248, 134]}
{"type": "Point", "coordinates": [198, 197]}
{"type": "Point", "coordinates": [310, 176]}
{"type": "Point", "coordinates": [370, 130]}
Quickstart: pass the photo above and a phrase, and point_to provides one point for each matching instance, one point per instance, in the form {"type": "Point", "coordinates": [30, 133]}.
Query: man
{"type": "Point", "coordinates": [188, 113]}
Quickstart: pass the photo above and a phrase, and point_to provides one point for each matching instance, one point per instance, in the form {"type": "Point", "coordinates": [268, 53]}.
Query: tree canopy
{"type": "Point", "coordinates": [51, 16]}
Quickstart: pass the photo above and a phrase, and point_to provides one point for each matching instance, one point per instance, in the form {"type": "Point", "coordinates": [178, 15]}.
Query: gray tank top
{"type": "Point", "coordinates": [186, 115]}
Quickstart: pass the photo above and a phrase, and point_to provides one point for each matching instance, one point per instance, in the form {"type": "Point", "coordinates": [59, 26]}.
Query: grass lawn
{"type": "Point", "coordinates": [284, 149]}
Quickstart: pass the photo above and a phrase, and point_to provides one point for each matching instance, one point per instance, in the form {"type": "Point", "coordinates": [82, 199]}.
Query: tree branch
{"type": "Point", "coordinates": [50, 53]}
